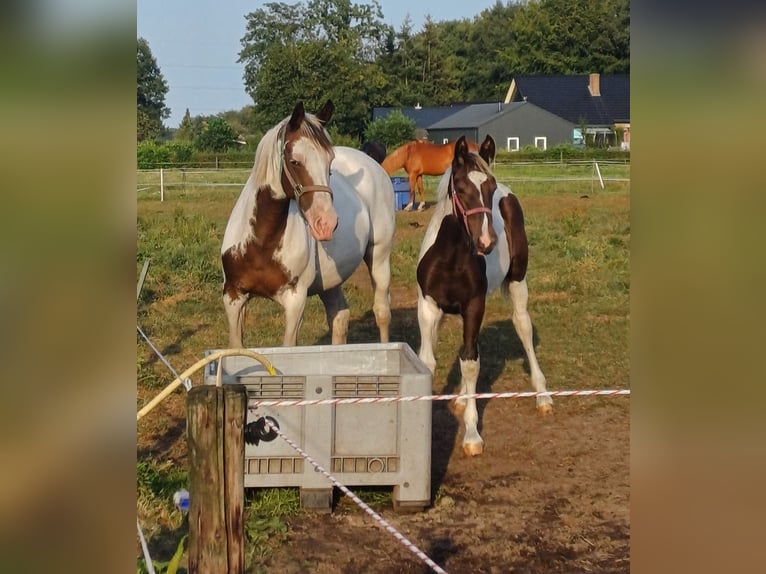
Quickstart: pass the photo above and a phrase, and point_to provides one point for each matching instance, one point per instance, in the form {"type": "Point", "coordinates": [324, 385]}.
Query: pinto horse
{"type": "Point", "coordinates": [298, 230]}
{"type": "Point", "coordinates": [475, 242]}
{"type": "Point", "coordinates": [419, 158]}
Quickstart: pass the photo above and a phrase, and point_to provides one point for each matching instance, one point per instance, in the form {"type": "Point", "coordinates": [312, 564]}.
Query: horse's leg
{"type": "Point", "coordinates": [235, 314]}
{"type": "Point", "coordinates": [293, 301]}
{"type": "Point", "coordinates": [422, 193]}
{"type": "Point", "coordinates": [469, 375]}
{"type": "Point", "coordinates": [379, 265]}
{"type": "Point", "coordinates": [523, 325]}
{"type": "Point", "coordinates": [338, 314]}
{"type": "Point", "coordinates": [429, 317]}
{"type": "Point", "coordinates": [413, 179]}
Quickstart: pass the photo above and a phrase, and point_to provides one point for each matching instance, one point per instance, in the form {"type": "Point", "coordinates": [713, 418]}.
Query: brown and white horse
{"type": "Point", "coordinates": [475, 242]}
{"type": "Point", "coordinates": [298, 230]}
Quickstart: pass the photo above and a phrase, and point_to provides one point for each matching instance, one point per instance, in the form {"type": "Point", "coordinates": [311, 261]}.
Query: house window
{"type": "Point", "coordinates": [541, 142]}
{"type": "Point", "coordinates": [445, 140]}
{"type": "Point", "coordinates": [512, 144]}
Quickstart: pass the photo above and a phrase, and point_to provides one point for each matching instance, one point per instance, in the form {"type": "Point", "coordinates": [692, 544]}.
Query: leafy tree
{"type": "Point", "coordinates": [325, 49]}
{"type": "Point", "coordinates": [151, 92]}
{"type": "Point", "coordinates": [185, 130]}
{"type": "Point", "coordinates": [490, 34]}
{"type": "Point", "coordinates": [393, 130]}
{"type": "Point", "coordinates": [215, 135]}
{"type": "Point", "coordinates": [571, 37]}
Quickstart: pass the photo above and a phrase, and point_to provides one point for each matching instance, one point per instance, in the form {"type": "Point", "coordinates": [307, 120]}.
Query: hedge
{"type": "Point", "coordinates": [151, 155]}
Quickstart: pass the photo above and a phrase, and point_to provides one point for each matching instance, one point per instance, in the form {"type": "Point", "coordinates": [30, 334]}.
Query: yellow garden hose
{"type": "Point", "coordinates": [197, 366]}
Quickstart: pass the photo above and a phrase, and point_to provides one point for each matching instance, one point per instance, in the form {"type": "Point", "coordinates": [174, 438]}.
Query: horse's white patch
{"type": "Point", "coordinates": [238, 230]}
{"type": "Point", "coordinates": [316, 164]}
{"type": "Point", "coordinates": [478, 178]}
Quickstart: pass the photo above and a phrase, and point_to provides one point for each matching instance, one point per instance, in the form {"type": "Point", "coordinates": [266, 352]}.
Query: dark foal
{"type": "Point", "coordinates": [475, 243]}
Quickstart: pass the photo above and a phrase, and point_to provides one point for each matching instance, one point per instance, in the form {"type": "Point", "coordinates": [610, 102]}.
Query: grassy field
{"type": "Point", "coordinates": [579, 280]}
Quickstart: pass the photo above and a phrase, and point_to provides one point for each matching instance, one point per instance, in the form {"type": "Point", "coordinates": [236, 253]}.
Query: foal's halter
{"type": "Point", "coordinates": [298, 189]}
{"type": "Point", "coordinates": [459, 209]}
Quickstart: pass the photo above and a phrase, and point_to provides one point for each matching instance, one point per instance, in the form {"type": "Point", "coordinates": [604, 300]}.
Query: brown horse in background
{"type": "Point", "coordinates": [419, 158]}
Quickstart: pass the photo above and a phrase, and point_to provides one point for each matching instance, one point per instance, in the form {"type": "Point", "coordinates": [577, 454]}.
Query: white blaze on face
{"type": "Point", "coordinates": [478, 178]}
{"type": "Point", "coordinates": [321, 215]}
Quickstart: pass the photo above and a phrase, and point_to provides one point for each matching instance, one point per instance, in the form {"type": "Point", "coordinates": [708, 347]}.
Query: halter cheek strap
{"type": "Point", "coordinates": [458, 209]}
{"type": "Point", "coordinates": [298, 189]}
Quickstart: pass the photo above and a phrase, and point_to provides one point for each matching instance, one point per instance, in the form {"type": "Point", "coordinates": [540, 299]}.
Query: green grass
{"type": "Point", "coordinates": [579, 284]}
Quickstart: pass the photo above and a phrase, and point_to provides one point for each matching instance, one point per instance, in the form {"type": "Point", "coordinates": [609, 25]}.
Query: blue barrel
{"type": "Point", "coordinates": [401, 192]}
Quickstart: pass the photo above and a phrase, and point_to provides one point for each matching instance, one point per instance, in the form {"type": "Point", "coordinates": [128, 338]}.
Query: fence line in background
{"type": "Point", "coordinates": [232, 172]}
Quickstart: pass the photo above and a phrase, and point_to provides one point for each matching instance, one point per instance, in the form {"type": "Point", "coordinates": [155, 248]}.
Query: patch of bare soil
{"type": "Point", "coordinates": [549, 494]}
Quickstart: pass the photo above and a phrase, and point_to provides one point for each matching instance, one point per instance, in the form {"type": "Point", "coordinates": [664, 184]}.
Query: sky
{"type": "Point", "coordinates": [196, 45]}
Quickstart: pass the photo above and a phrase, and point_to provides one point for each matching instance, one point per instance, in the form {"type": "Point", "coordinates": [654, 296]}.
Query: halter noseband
{"type": "Point", "coordinates": [458, 209]}
{"type": "Point", "coordinates": [298, 189]}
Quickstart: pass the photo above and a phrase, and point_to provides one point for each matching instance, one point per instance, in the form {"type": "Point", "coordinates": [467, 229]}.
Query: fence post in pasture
{"type": "Point", "coordinates": [598, 172]}
{"type": "Point", "coordinates": [216, 441]}
{"type": "Point", "coordinates": [162, 185]}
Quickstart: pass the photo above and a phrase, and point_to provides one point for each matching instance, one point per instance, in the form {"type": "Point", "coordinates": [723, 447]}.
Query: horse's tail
{"type": "Point", "coordinates": [396, 159]}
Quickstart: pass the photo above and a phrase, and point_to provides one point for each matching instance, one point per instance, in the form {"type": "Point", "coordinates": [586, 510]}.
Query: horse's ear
{"type": "Point", "coordinates": [299, 113]}
{"type": "Point", "coordinates": [461, 150]}
{"type": "Point", "coordinates": [326, 112]}
{"type": "Point", "coordinates": [487, 149]}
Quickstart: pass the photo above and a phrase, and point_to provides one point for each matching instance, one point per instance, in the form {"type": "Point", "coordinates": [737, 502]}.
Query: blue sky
{"type": "Point", "coordinates": [196, 45]}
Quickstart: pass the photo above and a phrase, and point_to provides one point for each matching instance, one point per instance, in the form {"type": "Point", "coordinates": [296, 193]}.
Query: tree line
{"type": "Point", "coordinates": [319, 49]}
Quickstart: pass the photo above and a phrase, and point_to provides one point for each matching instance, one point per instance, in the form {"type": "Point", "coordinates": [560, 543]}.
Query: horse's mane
{"type": "Point", "coordinates": [267, 168]}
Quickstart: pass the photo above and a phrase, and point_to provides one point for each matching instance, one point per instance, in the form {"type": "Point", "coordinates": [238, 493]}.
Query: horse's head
{"type": "Point", "coordinates": [306, 154]}
{"type": "Point", "coordinates": [471, 188]}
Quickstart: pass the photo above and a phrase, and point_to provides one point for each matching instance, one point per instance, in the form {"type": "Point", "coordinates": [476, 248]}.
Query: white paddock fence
{"type": "Point", "coordinates": [184, 180]}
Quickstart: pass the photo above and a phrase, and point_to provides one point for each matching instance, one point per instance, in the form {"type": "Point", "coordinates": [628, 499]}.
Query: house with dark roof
{"type": "Point", "coordinates": [599, 104]}
{"type": "Point", "coordinates": [540, 111]}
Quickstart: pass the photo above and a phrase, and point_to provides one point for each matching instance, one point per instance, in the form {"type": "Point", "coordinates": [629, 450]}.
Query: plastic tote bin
{"type": "Point", "coordinates": [375, 444]}
{"type": "Point", "coordinates": [401, 192]}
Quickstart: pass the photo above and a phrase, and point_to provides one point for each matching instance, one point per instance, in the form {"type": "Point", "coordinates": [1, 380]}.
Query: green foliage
{"type": "Point", "coordinates": [159, 482]}
{"type": "Point", "coordinates": [264, 519]}
{"type": "Point", "coordinates": [169, 567]}
{"type": "Point", "coordinates": [338, 138]}
{"type": "Point", "coordinates": [151, 155]}
{"type": "Point", "coordinates": [150, 93]}
{"type": "Point", "coordinates": [393, 130]}
{"type": "Point", "coordinates": [216, 135]}
{"type": "Point", "coordinates": [185, 131]}
{"type": "Point", "coordinates": [335, 49]}
{"type": "Point", "coordinates": [181, 153]}
{"type": "Point", "coordinates": [570, 37]}
{"type": "Point", "coordinates": [301, 52]}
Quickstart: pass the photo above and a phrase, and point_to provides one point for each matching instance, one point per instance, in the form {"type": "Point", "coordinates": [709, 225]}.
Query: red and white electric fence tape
{"type": "Point", "coordinates": [377, 517]}
{"type": "Point", "coordinates": [367, 400]}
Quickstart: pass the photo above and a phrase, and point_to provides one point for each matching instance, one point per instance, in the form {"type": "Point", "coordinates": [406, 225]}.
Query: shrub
{"type": "Point", "coordinates": [393, 130]}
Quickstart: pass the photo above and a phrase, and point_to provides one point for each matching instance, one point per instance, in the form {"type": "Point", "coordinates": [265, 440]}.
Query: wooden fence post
{"type": "Point", "coordinates": [216, 440]}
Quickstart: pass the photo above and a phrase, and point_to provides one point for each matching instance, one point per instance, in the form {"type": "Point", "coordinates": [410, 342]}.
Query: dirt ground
{"type": "Point", "coordinates": [549, 494]}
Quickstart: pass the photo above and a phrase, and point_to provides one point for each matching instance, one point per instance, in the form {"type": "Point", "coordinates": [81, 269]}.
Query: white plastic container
{"type": "Point", "coordinates": [380, 444]}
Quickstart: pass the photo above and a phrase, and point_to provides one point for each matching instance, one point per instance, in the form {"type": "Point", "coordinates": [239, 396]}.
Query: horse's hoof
{"type": "Point", "coordinates": [545, 409]}
{"type": "Point", "coordinates": [456, 408]}
{"type": "Point", "coordinates": [473, 449]}
{"type": "Point", "coordinates": [422, 206]}
{"type": "Point", "coordinates": [408, 207]}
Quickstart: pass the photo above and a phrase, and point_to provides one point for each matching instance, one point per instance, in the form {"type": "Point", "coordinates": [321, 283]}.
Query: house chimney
{"type": "Point", "coordinates": [594, 85]}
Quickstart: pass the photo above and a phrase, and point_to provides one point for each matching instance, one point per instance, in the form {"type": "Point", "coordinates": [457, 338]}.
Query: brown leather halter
{"type": "Point", "coordinates": [298, 189]}
{"type": "Point", "coordinates": [459, 209]}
